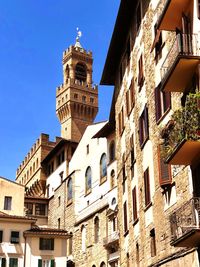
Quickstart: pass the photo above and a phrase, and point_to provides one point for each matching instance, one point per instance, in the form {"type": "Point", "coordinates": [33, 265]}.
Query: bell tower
{"type": "Point", "coordinates": [76, 98]}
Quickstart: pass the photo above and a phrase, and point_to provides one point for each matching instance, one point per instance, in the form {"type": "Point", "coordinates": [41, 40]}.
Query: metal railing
{"type": "Point", "coordinates": [184, 44]}
{"type": "Point", "coordinates": [111, 238]}
{"type": "Point", "coordinates": [185, 219]}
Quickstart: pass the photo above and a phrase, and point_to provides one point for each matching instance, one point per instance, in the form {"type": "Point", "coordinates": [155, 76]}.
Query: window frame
{"type": "Point", "coordinates": [141, 76]}
{"type": "Point", "coordinates": [134, 203]}
{"type": "Point", "coordinates": [164, 169]}
{"type": "Point", "coordinates": [162, 103]}
{"type": "Point", "coordinates": [147, 188]}
{"type": "Point", "coordinates": [103, 168]}
{"type": "Point", "coordinates": [125, 218]}
{"type": "Point", "coordinates": [144, 127]}
{"type": "Point", "coordinates": [46, 244]}
{"type": "Point", "coordinates": [13, 262]}
{"type": "Point", "coordinates": [8, 203]}
{"type": "Point", "coordinates": [88, 181]}
{"type": "Point", "coordinates": [16, 238]}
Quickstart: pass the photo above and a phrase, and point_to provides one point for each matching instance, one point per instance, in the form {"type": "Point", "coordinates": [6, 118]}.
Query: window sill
{"type": "Point", "coordinates": [135, 221]}
{"type": "Point", "coordinates": [163, 115]}
{"type": "Point", "coordinates": [103, 180]}
{"type": "Point", "coordinates": [147, 206]}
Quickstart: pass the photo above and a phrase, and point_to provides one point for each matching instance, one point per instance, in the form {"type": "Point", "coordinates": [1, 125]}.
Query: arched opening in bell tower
{"type": "Point", "coordinates": [80, 72]}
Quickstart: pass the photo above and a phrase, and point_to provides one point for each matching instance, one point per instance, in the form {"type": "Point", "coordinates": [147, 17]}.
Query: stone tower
{"type": "Point", "coordinates": [76, 98]}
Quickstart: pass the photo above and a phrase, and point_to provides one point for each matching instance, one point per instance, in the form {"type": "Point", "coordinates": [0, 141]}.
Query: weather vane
{"type": "Point", "coordinates": [79, 34]}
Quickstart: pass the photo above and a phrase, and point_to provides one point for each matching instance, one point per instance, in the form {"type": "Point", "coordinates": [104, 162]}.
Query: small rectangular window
{"type": "Point", "coordinates": [140, 72]}
{"type": "Point", "coordinates": [75, 96]}
{"type": "Point", "coordinates": [14, 238]}
{"type": "Point", "coordinates": [29, 208]}
{"type": "Point", "coordinates": [153, 243]}
{"type": "Point", "coordinates": [1, 236]}
{"type": "Point", "coordinates": [40, 209]}
{"type": "Point", "coordinates": [2, 262]}
{"type": "Point", "coordinates": [7, 203]}
{"type": "Point", "coordinates": [87, 149]}
{"type": "Point", "coordinates": [143, 127]}
{"type": "Point", "coordinates": [147, 188]}
{"type": "Point", "coordinates": [58, 223]}
{"type": "Point", "coordinates": [84, 98]}
{"type": "Point", "coordinates": [125, 217]}
{"type": "Point", "coordinates": [134, 199]}
{"type": "Point", "coordinates": [46, 244]}
{"type": "Point", "coordinates": [162, 103]}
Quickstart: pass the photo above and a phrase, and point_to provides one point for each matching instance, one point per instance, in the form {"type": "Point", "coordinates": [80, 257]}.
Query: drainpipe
{"type": "Point", "coordinates": [25, 252]}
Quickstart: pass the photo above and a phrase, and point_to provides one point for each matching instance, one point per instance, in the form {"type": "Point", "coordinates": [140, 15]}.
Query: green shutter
{"type": "Point", "coordinates": [39, 263]}
{"type": "Point", "coordinates": [52, 263]}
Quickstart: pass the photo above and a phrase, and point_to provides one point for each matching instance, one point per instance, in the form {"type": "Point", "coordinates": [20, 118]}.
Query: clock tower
{"type": "Point", "coordinates": [76, 98]}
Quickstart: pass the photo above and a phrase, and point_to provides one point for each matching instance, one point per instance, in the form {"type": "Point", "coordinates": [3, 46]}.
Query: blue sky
{"type": "Point", "coordinates": [33, 35]}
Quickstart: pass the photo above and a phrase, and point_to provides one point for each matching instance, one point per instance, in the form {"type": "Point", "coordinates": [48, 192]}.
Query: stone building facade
{"type": "Point", "coordinates": [155, 69]}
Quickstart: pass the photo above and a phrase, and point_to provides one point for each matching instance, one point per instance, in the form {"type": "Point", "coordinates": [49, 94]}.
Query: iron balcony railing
{"type": "Point", "coordinates": [185, 219]}
{"type": "Point", "coordinates": [111, 238]}
{"type": "Point", "coordinates": [183, 45]}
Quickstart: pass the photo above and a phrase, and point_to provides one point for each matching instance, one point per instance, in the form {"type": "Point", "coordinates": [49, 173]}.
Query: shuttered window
{"type": "Point", "coordinates": [140, 72]}
{"type": "Point", "coordinates": [134, 199]}
{"type": "Point", "coordinates": [130, 98]}
{"type": "Point", "coordinates": [132, 153]}
{"type": "Point", "coordinates": [165, 176]}
{"type": "Point", "coordinates": [121, 121]}
{"type": "Point", "coordinates": [147, 188]}
{"type": "Point", "coordinates": [198, 8]}
{"type": "Point", "coordinates": [143, 127]}
{"type": "Point", "coordinates": [162, 103]}
{"type": "Point", "coordinates": [125, 217]}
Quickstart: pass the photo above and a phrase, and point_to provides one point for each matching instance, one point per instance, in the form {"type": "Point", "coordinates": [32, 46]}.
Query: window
{"type": "Point", "coordinates": [130, 98]}
{"type": "Point", "coordinates": [7, 203]}
{"type": "Point", "coordinates": [112, 179]}
{"type": "Point", "coordinates": [162, 103]}
{"type": "Point", "coordinates": [140, 72]}
{"type": "Point", "coordinates": [198, 8]}
{"type": "Point", "coordinates": [60, 158]}
{"type": "Point", "coordinates": [1, 236]}
{"type": "Point", "coordinates": [50, 168]}
{"type": "Point", "coordinates": [143, 127]}
{"type": "Point", "coordinates": [87, 149]}
{"type": "Point", "coordinates": [58, 201]}
{"type": "Point", "coordinates": [46, 244]}
{"type": "Point", "coordinates": [80, 72]}
{"type": "Point", "coordinates": [103, 166]}
{"type": "Point", "coordinates": [29, 208]}
{"type": "Point", "coordinates": [13, 262]}
{"type": "Point", "coordinates": [157, 43]}
{"type": "Point", "coordinates": [83, 238]}
{"type": "Point", "coordinates": [88, 180]}
{"type": "Point", "coordinates": [2, 262]}
{"type": "Point", "coordinates": [69, 190]}
{"type": "Point", "coordinates": [134, 199]}
{"type": "Point", "coordinates": [75, 96]}
{"type": "Point", "coordinates": [114, 224]}
{"type": "Point", "coordinates": [153, 242]}
{"type": "Point", "coordinates": [14, 237]}
{"type": "Point", "coordinates": [61, 177]}
{"type": "Point", "coordinates": [165, 176]}
{"type": "Point", "coordinates": [96, 230]}
{"type": "Point", "coordinates": [132, 153]}
{"type": "Point", "coordinates": [84, 98]}
{"type": "Point", "coordinates": [46, 263]}
{"type": "Point", "coordinates": [67, 72]}
{"type": "Point", "coordinates": [103, 264]}
{"type": "Point", "coordinates": [125, 217]}
{"type": "Point", "coordinates": [40, 209]}
{"type": "Point", "coordinates": [147, 188]}
{"type": "Point", "coordinates": [137, 255]}
{"type": "Point", "coordinates": [121, 121]}
{"type": "Point", "coordinates": [58, 223]}
{"type": "Point", "coordinates": [91, 100]}
{"type": "Point", "coordinates": [112, 151]}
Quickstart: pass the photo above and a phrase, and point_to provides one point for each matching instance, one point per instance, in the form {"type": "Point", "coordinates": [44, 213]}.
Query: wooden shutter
{"type": "Point", "coordinates": [39, 263]}
{"type": "Point", "coordinates": [122, 119]}
{"type": "Point", "coordinates": [132, 94]}
{"type": "Point", "coordinates": [165, 176]}
{"type": "Point", "coordinates": [125, 218]}
{"type": "Point", "coordinates": [146, 123]}
{"type": "Point", "coordinates": [52, 263]}
{"type": "Point", "coordinates": [147, 187]}
{"type": "Point", "coordinates": [134, 199]}
{"type": "Point", "coordinates": [141, 130]}
{"type": "Point", "coordinates": [158, 103]}
{"type": "Point", "coordinates": [128, 102]}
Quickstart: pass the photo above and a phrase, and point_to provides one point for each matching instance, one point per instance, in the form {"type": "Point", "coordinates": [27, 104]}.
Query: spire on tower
{"type": "Point", "coordinates": [79, 34]}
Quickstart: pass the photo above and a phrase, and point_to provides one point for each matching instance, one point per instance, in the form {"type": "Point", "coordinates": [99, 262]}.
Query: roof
{"type": "Point", "coordinates": [10, 181]}
{"type": "Point", "coordinates": [16, 217]}
{"type": "Point", "coordinates": [57, 147]}
{"type": "Point", "coordinates": [121, 29]}
{"type": "Point", "coordinates": [44, 231]}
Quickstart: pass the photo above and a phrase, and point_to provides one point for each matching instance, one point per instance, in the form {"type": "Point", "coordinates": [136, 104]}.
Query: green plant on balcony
{"type": "Point", "coordinates": [184, 125]}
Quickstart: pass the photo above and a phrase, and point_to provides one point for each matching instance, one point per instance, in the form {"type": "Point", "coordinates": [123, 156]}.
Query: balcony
{"type": "Point", "coordinates": [180, 63]}
{"type": "Point", "coordinates": [182, 136]}
{"type": "Point", "coordinates": [113, 256]}
{"type": "Point", "coordinates": [111, 239]}
{"type": "Point", "coordinates": [185, 224]}
{"type": "Point", "coordinates": [168, 21]}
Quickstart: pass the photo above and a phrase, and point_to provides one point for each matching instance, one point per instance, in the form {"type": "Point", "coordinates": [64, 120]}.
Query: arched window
{"type": "Point", "coordinates": [88, 180]}
{"type": "Point", "coordinates": [34, 167]}
{"type": "Point", "coordinates": [103, 166]}
{"type": "Point", "coordinates": [103, 264]}
{"type": "Point", "coordinates": [112, 151]}
{"type": "Point", "coordinates": [80, 72]}
{"type": "Point", "coordinates": [112, 179]}
{"type": "Point", "coordinates": [67, 72]}
{"type": "Point", "coordinates": [96, 230]}
{"type": "Point", "coordinates": [83, 238]}
{"type": "Point", "coordinates": [69, 189]}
